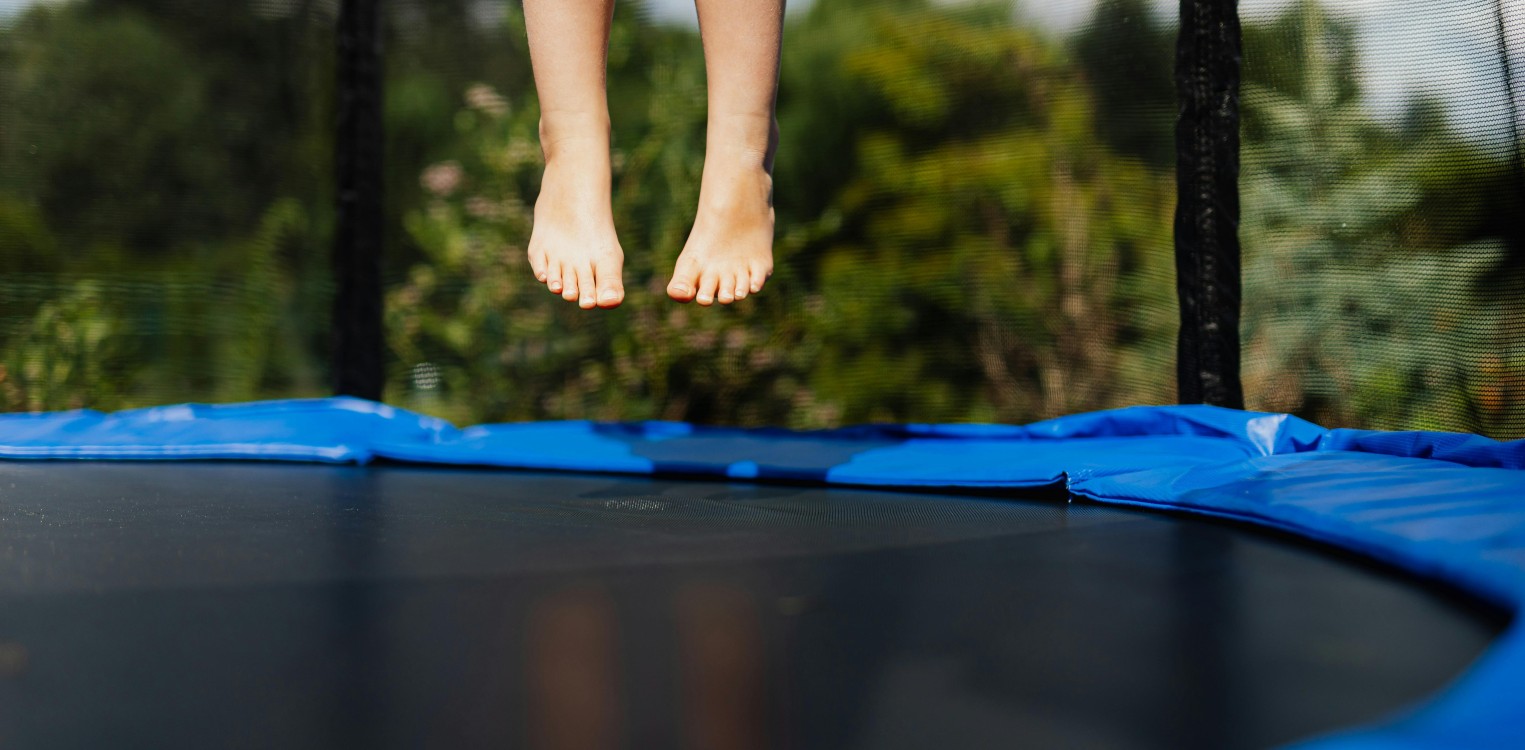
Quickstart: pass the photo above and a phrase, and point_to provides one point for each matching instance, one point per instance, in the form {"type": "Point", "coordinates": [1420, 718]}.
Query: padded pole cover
{"type": "Point", "coordinates": [358, 145]}
{"type": "Point", "coordinates": [1207, 203]}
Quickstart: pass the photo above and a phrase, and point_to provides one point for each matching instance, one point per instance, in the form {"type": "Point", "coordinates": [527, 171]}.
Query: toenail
{"type": "Point", "coordinates": [681, 288]}
{"type": "Point", "coordinates": [609, 295]}
{"type": "Point", "coordinates": [555, 286]}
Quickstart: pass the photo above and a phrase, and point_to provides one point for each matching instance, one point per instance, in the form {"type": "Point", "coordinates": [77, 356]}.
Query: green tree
{"type": "Point", "coordinates": [65, 356]}
{"type": "Point", "coordinates": [1128, 55]}
{"type": "Point", "coordinates": [160, 162]}
{"type": "Point", "coordinates": [993, 261]}
{"type": "Point", "coordinates": [1366, 298]}
{"type": "Point", "coordinates": [960, 247]}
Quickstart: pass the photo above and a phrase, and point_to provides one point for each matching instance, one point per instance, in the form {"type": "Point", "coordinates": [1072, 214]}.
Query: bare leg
{"type": "Point", "coordinates": [573, 248]}
{"type": "Point", "coordinates": [729, 253]}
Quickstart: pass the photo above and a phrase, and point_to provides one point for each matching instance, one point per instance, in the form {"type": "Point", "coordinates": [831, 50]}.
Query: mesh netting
{"type": "Point", "coordinates": [1383, 208]}
{"type": "Point", "coordinates": [975, 206]}
{"type": "Point", "coordinates": [164, 201]}
{"type": "Point", "coordinates": [962, 234]}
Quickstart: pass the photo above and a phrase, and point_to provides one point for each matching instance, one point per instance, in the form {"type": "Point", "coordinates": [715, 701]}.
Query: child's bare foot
{"type": "Point", "coordinates": [573, 248]}
{"type": "Point", "coordinates": [729, 253]}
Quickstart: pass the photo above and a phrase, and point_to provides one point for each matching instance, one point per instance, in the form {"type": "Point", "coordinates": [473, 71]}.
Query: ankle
{"type": "Point", "coordinates": [750, 139]}
{"type": "Point", "coordinates": [568, 135]}
{"type": "Point", "coordinates": [733, 185]}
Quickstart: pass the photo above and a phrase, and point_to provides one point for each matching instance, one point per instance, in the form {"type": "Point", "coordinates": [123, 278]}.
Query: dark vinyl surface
{"type": "Point", "coordinates": [292, 606]}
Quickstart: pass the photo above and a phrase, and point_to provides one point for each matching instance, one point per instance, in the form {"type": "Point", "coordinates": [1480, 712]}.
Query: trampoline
{"type": "Point", "coordinates": [666, 584]}
{"type": "Point", "coordinates": [343, 572]}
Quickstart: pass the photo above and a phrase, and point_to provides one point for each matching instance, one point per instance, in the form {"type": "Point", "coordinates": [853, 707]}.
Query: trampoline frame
{"type": "Point", "coordinates": [1443, 506]}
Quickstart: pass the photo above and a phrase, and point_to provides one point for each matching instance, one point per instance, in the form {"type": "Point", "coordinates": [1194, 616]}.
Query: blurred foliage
{"type": "Point", "coordinates": [142, 162]}
{"type": "Point", "coordinates": [1127, 54]}
{"type": "Point", "coordinates": [1376, 293]}
{"type": "Point", "coordinates": [974, 222]}
{"type": "Point", "coordinates": [62, 358]}
{"type": "Point", "coordinates": [982, 258]}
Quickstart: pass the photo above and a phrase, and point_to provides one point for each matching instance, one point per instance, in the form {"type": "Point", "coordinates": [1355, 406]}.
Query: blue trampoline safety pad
{"type": "Point", "coordinates": [1446, 506]}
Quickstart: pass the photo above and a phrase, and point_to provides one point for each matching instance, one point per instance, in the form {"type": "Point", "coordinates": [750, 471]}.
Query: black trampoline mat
{"type": "Point", "coordinates": [291, 606]}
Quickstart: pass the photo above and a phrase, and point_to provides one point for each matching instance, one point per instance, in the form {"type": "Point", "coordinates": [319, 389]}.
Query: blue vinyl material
{"type": "Point", "coordinates": [1446, 506]}
{"type": "Point", "coordinates": [331, 430]}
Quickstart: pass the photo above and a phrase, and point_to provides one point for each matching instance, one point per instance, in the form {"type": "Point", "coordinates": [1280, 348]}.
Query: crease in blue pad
{"type": "Point", "coordinates": [1446, 506]}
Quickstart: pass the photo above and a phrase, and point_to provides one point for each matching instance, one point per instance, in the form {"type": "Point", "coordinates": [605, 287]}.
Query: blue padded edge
{"type": "Point", "coordinates": [1447, 506]}
{"type": "Point", "coordinates": [330, 430]}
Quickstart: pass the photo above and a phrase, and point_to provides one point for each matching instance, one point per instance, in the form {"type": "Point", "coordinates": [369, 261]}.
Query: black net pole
{"type": "Point", "coordinates": [357, 328]}
{"type": "Point", "coordinates": [1207, 207]}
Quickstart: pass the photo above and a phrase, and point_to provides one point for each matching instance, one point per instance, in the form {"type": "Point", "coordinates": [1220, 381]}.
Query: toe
{"type": "Point", "coordinates": [760, 274]}
{"type": "Point", "coordinates": [685, 281]}
{"type": "Point", "coordinates": [586, 288]}
{"type": "Point", "coordinates": [569, 282]}
{"type": "Point", "coordinates": [537, 262]}
{"type": "Point", "coordinates": [743, 284]}
{"type": "Point", "coordinates": [709, 281]}
{"type": "Point", "coordinates": [611, 286]}
{"type": "Point", "coordinates": [725, 292]}
{"type": "Point", "coordinates": [553, 277]}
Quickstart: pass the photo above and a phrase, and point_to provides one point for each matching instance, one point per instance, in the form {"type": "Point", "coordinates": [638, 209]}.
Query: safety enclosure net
{"type": "Point", "coordinates": [975, 213]}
